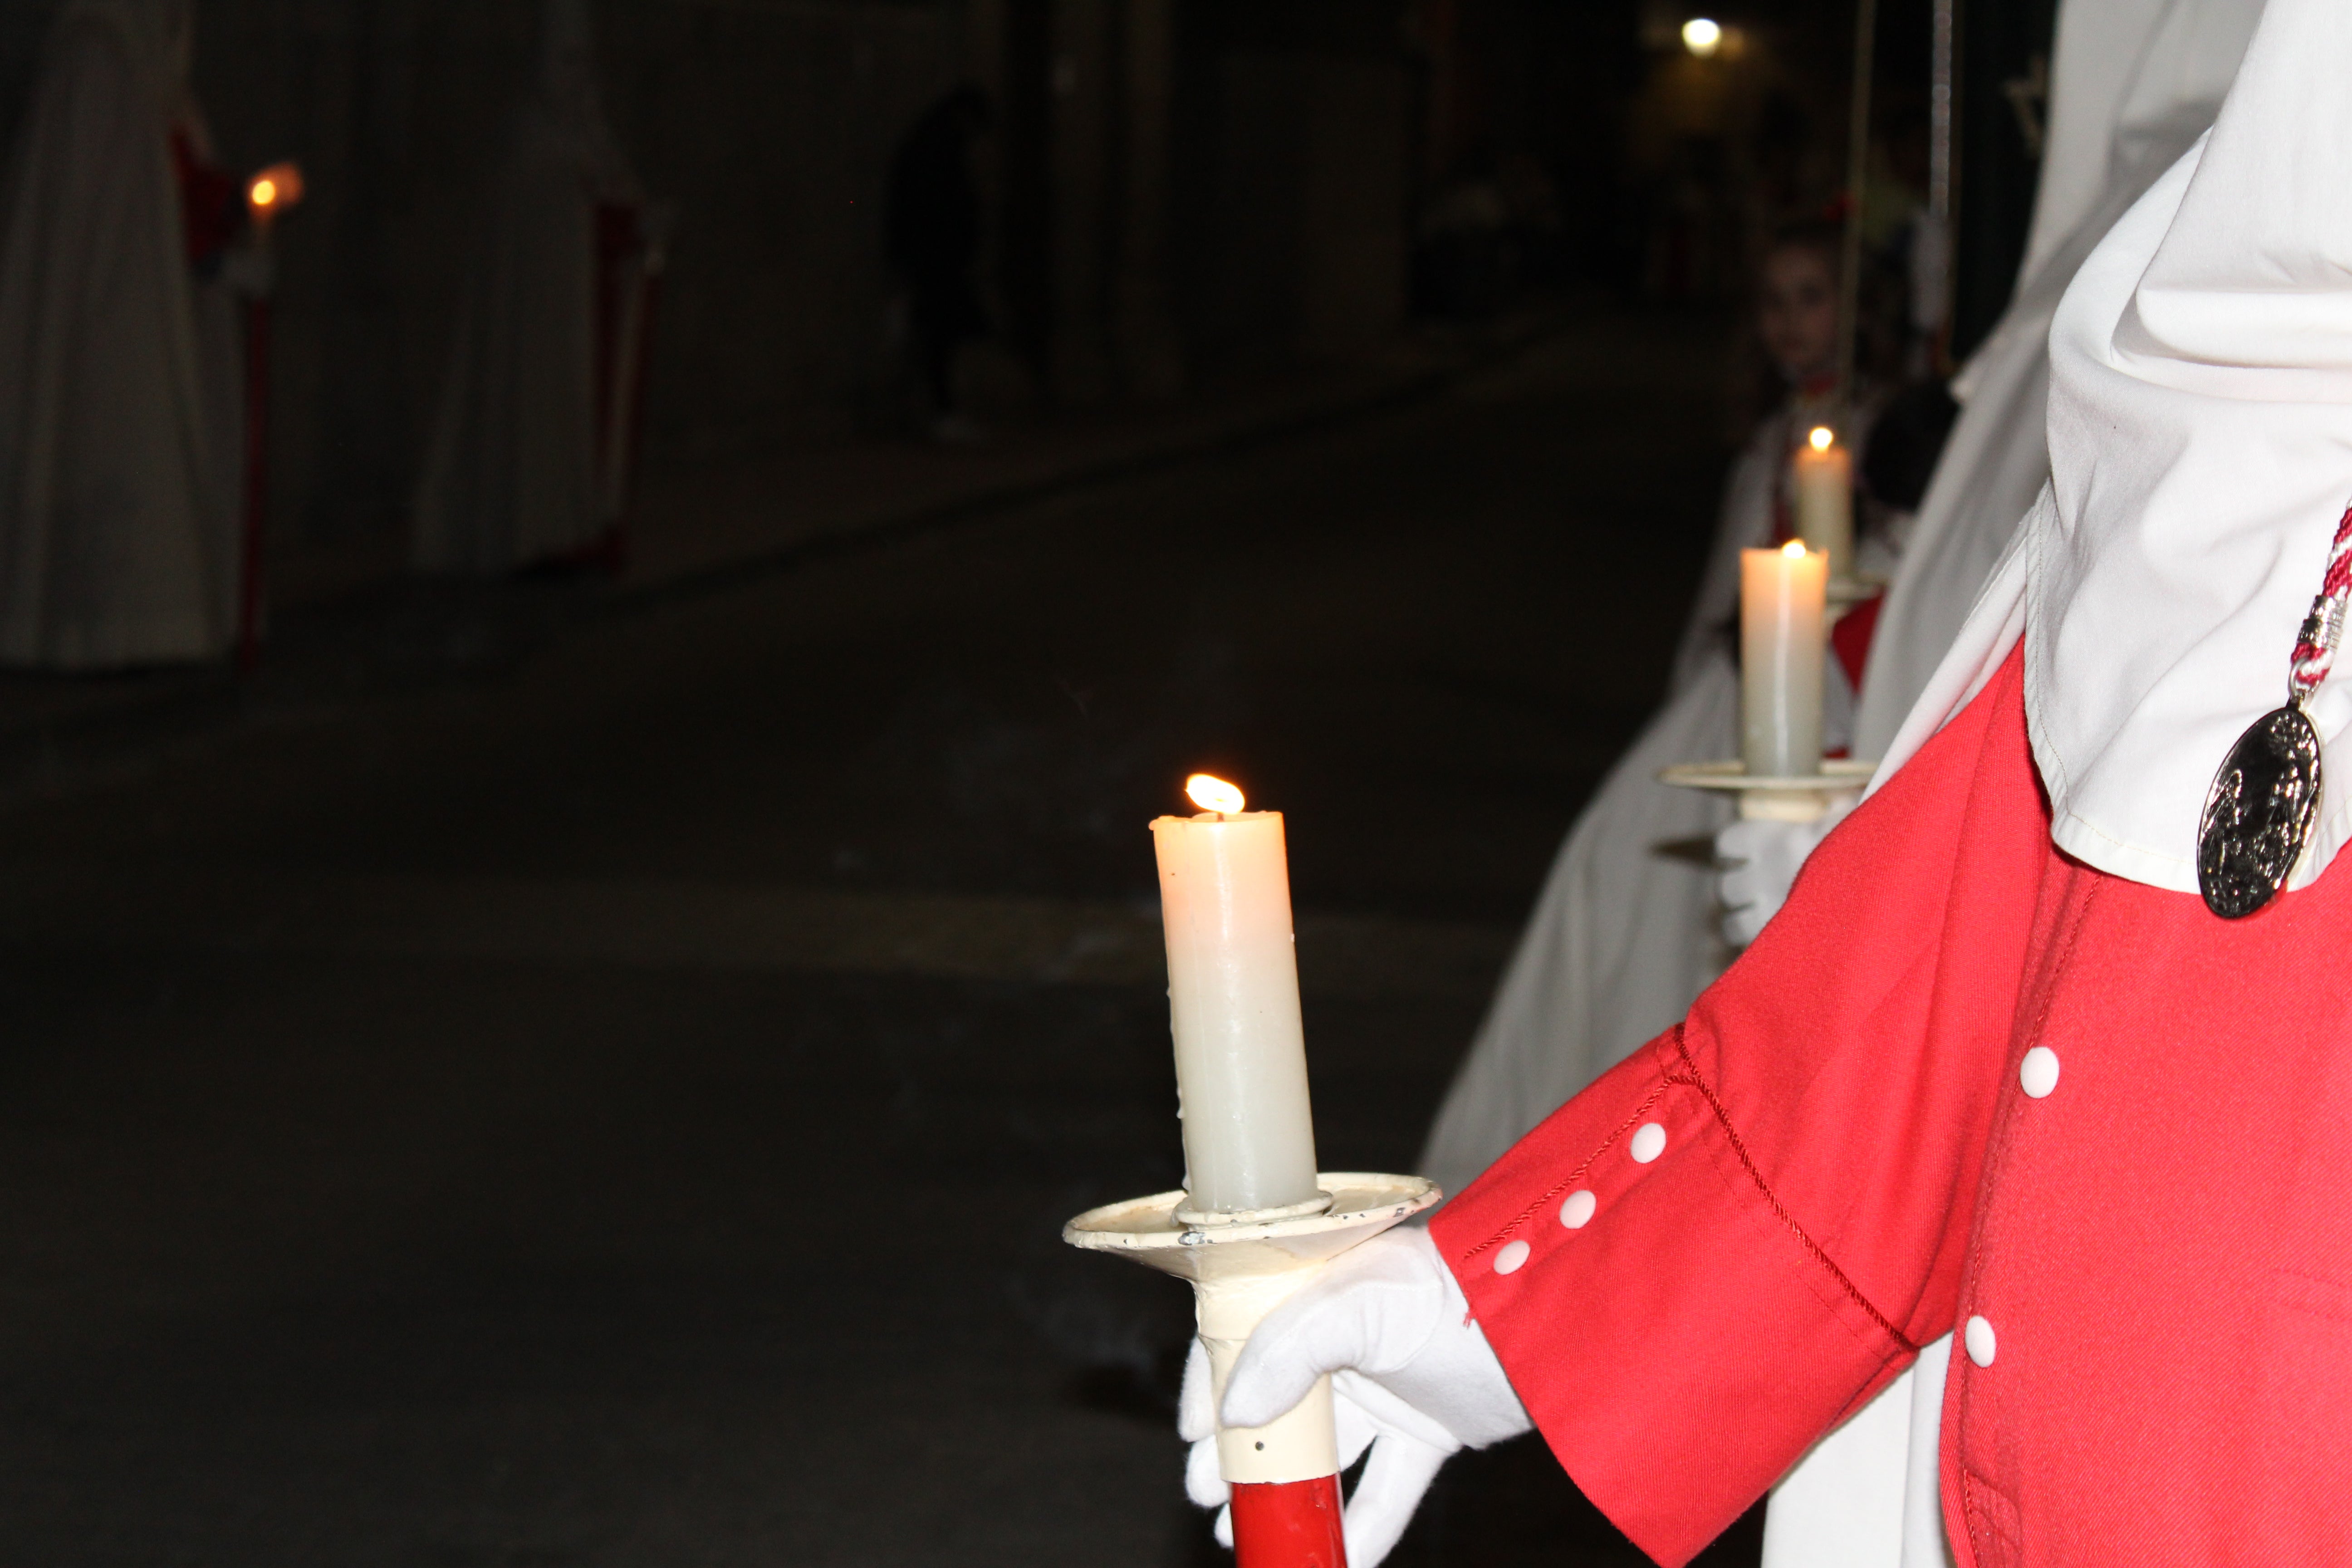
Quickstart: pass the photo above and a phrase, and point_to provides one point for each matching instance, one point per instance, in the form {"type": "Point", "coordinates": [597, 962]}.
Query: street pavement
{"type": "Point", "coordinates": [564, 1078]}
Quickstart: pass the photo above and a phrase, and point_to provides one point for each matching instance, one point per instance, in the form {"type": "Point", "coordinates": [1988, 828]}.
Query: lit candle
{"type": "Point", "coordinates": [1781, 639]}
{"type": "Point", "coordinates": [1233, 1003]}
{"type": "Point", "coordinates": [1823, 483]}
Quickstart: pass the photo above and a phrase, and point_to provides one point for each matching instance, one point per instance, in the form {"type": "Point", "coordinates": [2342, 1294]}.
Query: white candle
{"type": "Point", "coordinates": [1823, 483]}
{"type": "Point", "coordinates": [1233, 1004]}
{"type": "Point", "coordinates": [1782, 639]}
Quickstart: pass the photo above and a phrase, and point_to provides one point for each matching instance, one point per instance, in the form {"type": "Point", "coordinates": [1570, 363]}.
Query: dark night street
{"type": "Point", "coordinates": [615, 1104]}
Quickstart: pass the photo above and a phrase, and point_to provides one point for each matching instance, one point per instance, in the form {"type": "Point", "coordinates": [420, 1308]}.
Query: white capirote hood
{"type": "Point", "coordinates": [2201, 447]}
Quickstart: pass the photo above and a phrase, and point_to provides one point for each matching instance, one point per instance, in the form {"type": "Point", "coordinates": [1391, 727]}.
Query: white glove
{"type": "Point", "coordinates": [1759, 861]}
{"type": "Point", "coordinates": [1412, 1379]}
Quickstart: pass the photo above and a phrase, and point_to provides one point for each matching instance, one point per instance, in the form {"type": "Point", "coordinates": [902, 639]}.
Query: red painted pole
{"type": "Point", "coordinates": [1292, 1525]}
{"type": "Point", "coordinates": [633, 418]}
{"type": "Point", "coordinates": [257, 481]}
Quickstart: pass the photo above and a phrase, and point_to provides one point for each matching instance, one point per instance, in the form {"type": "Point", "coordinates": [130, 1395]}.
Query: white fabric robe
{"type": "Point", "coordinates": [118, 388]}
{"type": "Point", "coordinates": [2136, 82]}
{"type": "Point", "coordinates": [511, 476]}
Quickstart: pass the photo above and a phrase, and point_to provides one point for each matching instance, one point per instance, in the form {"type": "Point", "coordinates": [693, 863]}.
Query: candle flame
{"type": "Point", "coordinates": [1210, 793]}
{"type": "Point", "coordinates": [1823, 439]}
{"type": "Point", "coordinates": [278, 188]}
{"type": "Point", "coordinates": [1794, 549]}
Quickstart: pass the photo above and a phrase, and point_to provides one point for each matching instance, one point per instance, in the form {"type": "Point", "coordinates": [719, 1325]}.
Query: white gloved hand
{"type": "Point", "coordinates": [1761, 860]}
{"type": "Point", "coordinates": [1412, 1379]}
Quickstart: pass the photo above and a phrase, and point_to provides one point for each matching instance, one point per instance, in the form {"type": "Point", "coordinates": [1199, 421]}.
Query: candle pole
{"type": "Point", "coordinates": [1857, 176]}
{"type": "Point", "coordinates": [1940, 175]}
{"type": "Point", "coordinates": [257, 483]}
{"type": "Point", "coordinates": [1254, 1220]}
{"type": "Point", "coordinates": [268, 194]}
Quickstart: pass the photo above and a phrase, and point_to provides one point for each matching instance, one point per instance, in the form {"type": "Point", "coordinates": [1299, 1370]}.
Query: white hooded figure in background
{"type": "Point", "coordinates": [518, 472]}
{"type": "Point", "coordinates": [1624, 935]}
{"type": "Point", "coordinates": [2136, 82]}
{"type": "Point", "coordinates": [119, 412]}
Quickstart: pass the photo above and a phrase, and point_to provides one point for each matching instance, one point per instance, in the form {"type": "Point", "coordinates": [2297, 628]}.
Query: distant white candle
{"type": "Point", "coordinates": [1823, 483]}
{"type": "Point", "coordinates": [1233, 1004]}
{"type": "Point", "coordinates": [1782, 641]}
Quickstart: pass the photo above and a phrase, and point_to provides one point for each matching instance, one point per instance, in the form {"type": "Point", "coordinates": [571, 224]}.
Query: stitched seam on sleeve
{"type": "Point", "coordinates": [1738, 1147]}
{"type": "Point", "coordinates": [1577, 1174]}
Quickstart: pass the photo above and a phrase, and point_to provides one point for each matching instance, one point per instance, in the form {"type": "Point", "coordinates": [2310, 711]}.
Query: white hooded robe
{"type": "Point", "coordinates": [513, 475]}
{"type": "Point", "coordinates": [118, 379]}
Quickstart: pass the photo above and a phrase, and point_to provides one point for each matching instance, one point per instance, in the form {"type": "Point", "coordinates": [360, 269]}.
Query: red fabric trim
{"type": "Point", "coordinates": [1850, 639]}
{"type": "Point", "coordinates": [212, 205]}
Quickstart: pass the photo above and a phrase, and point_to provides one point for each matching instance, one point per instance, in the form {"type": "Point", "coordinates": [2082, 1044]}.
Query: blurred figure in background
{"type": "Point", "coordinates": [1794, 349]}
{"type": "Point", "coordinates": [120, 412]}
{"type": "Point", "coordinates": [530, 450]}
{"type": "Point", "coordinates": [931, 232]}
{"type": "Point", "coordinates": [1490, 233]}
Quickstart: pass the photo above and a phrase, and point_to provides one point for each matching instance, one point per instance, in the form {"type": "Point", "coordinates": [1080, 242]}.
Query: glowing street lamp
{"type": "Point", "coordinates": [1703, 35]}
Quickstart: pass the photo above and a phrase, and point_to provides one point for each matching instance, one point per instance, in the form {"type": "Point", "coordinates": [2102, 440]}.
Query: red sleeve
{"type": "Point", "coordinates": [1823, 1110]}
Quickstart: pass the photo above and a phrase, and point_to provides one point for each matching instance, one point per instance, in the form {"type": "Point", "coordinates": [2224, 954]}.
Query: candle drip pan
{"type": "Point", "coordinates": [1795, 797]}
{"type": "Point", "coordinates": [1242, 1266]}
{"type": "Point", "coordinates": [1844, 593]}
{"type": "Point", "coordinates": [1202, 1219]}
{"type": "Point", "coordinates": [1353, 1207]}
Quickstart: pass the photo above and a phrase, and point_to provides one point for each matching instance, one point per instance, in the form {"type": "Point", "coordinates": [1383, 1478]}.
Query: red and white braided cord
{"type": "Point", "coordinates": [2314, 649]}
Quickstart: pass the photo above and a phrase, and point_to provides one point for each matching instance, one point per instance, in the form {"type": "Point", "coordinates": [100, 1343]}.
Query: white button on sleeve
{"type": "Point", "coordinates": [1648, 1144]}
{"type": "Point", "coordinates": [1577, 1212]}
{"type": "Point", "coordinates": [1977, 1337]}
{"type": "Point", "coordinates": [1508, 1260]}
{"type": "Point", "coordinates": [2038, 1073]}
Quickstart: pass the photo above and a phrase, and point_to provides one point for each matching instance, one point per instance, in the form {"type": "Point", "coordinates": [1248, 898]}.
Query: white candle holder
{"type": "Point", "coordinates": [1793, 798]}
{"type": "Point", "coordinates": [1841, 595]}
{"type": "Point", "coordinates": [1243, 1265]}
{"type": "Point", "coordinates": [1844, 593]}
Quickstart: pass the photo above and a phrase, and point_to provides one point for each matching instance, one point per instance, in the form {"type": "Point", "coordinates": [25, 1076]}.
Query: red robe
{"type": "Point", "coordinates": [2160, 1245]}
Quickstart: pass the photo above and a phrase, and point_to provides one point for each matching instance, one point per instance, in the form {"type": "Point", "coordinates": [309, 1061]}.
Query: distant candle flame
{"type": "Point", "coordinates": [1794, 549]}
{"type": "Point", "coordinates": [1823, 439]}
{"type": "Point", "coordinates": [1210, 793]}
{"type": "Point", "coordinates": [277, 189]}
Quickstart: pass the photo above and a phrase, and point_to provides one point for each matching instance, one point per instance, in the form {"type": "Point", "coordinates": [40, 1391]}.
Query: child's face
{"type": "Point", "coordinates": [1798, 317]}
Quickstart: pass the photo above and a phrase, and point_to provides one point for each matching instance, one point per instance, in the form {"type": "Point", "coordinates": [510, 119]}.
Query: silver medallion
{"type": "Point", "coordinates": [2259, 813]}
